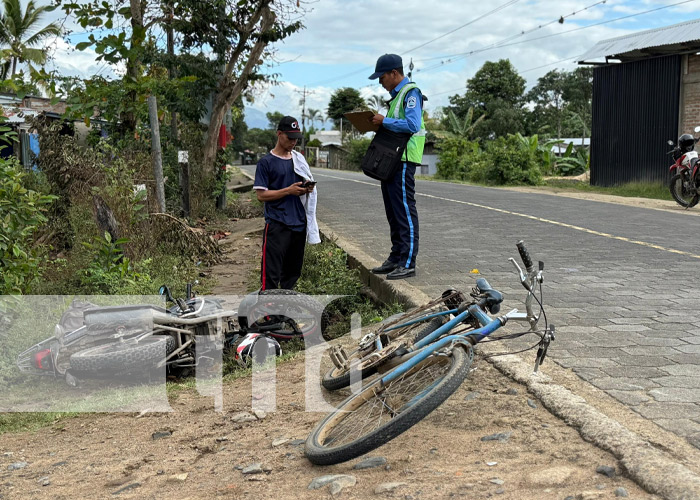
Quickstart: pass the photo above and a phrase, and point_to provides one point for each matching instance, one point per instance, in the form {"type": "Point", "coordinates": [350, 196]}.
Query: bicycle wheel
{"type": "Point", "coordinates": [378, 414]}
{"type": "Point", "coordinates": [684, 197]}
{"type": "Point", "coordinates": [337, 378]}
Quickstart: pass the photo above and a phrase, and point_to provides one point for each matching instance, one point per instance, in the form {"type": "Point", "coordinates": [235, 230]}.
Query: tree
{"type": "Point", "coordinates": [342, 101]}
{"type": "Point", "coordinates": [313, 115]}
{"type": "Point", "coordinates": [463, 128]}
{"type": "Point", "coordinates": [548, 97]}
{"type": "Point", "coordinates": [273, 118]}
{"type": "Point", "coordinates": [236, 36]}
{"type": "Point", "coordinates": [497, 90]}
{"type": "Point", "coordinates": [239, 34]}
{"type": "Point", "coordinates": [20, 32]}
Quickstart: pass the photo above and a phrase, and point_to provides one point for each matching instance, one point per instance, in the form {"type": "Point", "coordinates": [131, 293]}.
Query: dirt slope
{"type": "Point", "coordinates": [202, 453]}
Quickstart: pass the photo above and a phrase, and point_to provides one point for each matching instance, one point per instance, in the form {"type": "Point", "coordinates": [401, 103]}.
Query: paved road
{"type": "Point", "coordinates": [622, 283]}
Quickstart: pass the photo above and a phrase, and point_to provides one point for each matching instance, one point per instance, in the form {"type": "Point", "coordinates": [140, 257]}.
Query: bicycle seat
{"type": "Point", "coordinates": [490, 298]}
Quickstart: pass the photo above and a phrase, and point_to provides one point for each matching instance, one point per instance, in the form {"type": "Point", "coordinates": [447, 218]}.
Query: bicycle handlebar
{"type": "Point", "coordinates": [524, 255]}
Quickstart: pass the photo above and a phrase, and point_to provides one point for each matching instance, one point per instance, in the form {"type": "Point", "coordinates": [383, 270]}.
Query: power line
{"type": "Point", "coordinates": [523, 71]}
{"type": "Point", "coordinates": [497, 9]}
{"type": "Point", "coordinates": [500, 44]}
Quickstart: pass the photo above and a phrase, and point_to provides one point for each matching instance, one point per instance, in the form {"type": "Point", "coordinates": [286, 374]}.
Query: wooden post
{"type": "Point", "coordinates": [221, 199]}
{"type": "Point", "coordinates": [156, 152]}
{"type": "Point", "coordinates": [183, 160]}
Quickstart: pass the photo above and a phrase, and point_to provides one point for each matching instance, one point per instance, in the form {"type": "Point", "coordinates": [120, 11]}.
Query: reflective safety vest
{"type": "Point", "coordinates": [416, 144]}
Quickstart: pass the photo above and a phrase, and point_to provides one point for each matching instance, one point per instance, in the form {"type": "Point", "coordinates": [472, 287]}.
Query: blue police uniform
{"type": "Point", "coordinates": [399, 192]}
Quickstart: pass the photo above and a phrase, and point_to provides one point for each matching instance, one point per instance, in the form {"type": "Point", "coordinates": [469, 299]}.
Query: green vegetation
{"type": "Point", "coordinates": [652, 190]}
{"type": "Point", "coordinates": [326, 272]}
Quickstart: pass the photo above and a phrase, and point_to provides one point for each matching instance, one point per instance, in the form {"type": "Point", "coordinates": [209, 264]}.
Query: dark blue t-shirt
{"type": "Point", "coordinates": [276, 173]}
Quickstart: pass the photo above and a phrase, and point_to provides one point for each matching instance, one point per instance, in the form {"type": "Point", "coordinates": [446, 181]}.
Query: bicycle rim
{"type": "Point", "coordinates": [378, 414]}
{"type": "Point", "coordinates": [337, 378]}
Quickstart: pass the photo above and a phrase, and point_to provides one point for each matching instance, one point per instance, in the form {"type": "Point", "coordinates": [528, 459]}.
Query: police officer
{"type": "Point", "coordinates": [405, 115]}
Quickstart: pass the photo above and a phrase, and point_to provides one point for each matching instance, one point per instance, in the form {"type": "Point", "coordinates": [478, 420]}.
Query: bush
{"type": "Point", "coordinates": [21, 213]}
{"type": "Point", "coordinates": [506, 161]}
{"type": "Point", "coordinates": [455, 157]}
{"type": "Point", "coordinates": [358, 149]}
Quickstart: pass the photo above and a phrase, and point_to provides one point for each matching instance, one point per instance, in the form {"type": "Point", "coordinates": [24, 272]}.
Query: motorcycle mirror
{"type": "Point", "coordinates": [697, 129]}
{"type": "Point", "coordinates": [669, 142]}
{"type": "Point", "coordinates": [165, 292]}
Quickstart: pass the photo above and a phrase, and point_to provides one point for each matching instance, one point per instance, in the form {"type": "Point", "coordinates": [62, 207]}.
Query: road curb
{"type": "Point", "coordinates": [651, 468]}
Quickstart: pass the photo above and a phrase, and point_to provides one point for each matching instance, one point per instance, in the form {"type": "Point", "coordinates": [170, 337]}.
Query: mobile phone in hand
{"type": "Point", "coordinates": [308, 184]}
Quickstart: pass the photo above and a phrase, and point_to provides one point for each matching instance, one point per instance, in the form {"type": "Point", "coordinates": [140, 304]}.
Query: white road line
{"type": "Point", "coordinates": [539, 219]}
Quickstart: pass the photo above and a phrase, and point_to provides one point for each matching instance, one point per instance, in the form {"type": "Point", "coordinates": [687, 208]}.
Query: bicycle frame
{"type": "Point", "coordinates": [427, 346]}
{"type": "Point", "coordinates": [421, 351]}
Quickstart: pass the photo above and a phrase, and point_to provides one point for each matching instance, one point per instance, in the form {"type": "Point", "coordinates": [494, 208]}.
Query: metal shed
{"type": "Point", "coordinates": [644, 93]}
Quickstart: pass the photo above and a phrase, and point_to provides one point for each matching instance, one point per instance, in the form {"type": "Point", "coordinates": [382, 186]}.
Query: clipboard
{"type": "Point", "coordinates": [361, 120]}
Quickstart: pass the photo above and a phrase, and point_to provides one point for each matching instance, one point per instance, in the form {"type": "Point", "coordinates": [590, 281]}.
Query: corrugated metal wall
{"type": "Point", "coordinates": [635, 111]}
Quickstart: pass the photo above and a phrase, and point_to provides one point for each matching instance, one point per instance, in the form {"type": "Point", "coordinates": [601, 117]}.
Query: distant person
{"type": "Point", "coordinates": [405, 115]}
{"type": "Point", "coordinates": [282, 182]}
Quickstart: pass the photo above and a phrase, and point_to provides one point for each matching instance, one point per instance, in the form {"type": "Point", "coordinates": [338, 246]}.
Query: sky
{"type": "Point", "coordinates": [447, 40]}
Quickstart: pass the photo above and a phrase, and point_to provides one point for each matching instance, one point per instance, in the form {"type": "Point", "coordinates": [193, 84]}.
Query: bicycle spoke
{"type": "Point", "coordinates": [381, 405]}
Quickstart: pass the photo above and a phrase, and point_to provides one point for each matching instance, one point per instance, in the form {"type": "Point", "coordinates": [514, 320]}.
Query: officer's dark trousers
{"type": "Point", "coordinates": [282, 256]}
{"type": "Point", "coordinates": [400, 206]}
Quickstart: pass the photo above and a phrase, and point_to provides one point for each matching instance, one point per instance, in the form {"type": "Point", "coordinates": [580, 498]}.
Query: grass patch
{"type": "Point", "coordinates": [29, 422]}
{"type": "Point", "coordinates": [653, 190]}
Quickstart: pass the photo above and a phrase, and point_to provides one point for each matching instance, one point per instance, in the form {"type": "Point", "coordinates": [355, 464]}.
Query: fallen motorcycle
{"type": "Point", "coordinates": [92, 340]}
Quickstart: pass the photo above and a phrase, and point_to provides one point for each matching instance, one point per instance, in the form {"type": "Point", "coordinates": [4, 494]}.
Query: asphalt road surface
{"type": "Point", "coordinates": [621, 282]}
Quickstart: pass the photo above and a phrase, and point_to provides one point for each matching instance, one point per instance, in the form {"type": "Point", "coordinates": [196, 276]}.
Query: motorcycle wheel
{"type": "Point", "coordinates": [283, 307]}
{"type": "Point", "coordinates": [684, 197]}
{"type": "Point", "coordinates": [123, 356]}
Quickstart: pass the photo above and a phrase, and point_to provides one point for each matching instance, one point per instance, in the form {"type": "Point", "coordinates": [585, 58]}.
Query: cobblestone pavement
{"type": "Point", "coordinates": [621, 282]}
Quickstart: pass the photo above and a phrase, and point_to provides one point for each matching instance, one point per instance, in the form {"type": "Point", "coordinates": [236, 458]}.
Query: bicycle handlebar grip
{"type": "Point", "coordinates": [524, 255]}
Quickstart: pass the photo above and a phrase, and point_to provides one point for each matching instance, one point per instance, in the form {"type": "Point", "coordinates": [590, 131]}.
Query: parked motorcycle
{"type": "Point", "coordinates": [94, 340]}
{"type": "Point", "coordinates": [685, 181]}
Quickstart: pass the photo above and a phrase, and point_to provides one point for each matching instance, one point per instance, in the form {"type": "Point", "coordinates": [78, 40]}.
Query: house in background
{"type": "Point", "coordinates": [646, 90]}
{"type": "Point", "coordinates": [18, 111]}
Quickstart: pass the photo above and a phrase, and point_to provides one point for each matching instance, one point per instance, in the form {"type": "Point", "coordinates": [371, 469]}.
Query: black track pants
{"type": "Point", "coordinates": [282, 256]}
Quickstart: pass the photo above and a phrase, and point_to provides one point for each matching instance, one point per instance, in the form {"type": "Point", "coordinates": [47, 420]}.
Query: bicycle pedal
{"type": "Point", "coordinates": [339, 357]}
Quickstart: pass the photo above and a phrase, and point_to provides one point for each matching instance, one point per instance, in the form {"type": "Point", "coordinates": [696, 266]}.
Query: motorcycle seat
{"type": "Point", "coordinates": [129, 317]}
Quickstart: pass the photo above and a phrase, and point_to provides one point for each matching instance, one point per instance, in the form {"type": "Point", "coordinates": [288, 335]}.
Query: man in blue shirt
{"type": "Point", "coordinates": [279, 187]}
{"type": "Point", "coordinates": [405, 115]}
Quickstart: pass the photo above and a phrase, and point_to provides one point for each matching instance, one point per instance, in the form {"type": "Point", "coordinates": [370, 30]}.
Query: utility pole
{"type": "Point", "coordinates": [172, 72]}
{"type": "Point", "coordinates": [302, 101]}
{"type": "Point", "coordinates": [156, 152]}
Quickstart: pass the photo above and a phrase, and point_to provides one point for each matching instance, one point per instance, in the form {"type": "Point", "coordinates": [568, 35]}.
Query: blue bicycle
{"type": "Point", "coordinates": [419, 372]}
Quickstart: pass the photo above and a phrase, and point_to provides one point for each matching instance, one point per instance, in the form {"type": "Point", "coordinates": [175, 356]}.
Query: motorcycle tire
{"type": "Point", "coordinates": [123, 356]}
{"type": "Point", "coordinates": [298, 302]}
{"type": "Point", "coordinates": [676, 184]}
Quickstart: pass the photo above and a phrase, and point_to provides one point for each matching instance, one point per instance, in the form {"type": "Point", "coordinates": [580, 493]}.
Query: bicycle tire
{"type": "Point", "coordinates": [117, 356]}
{"type": "Point", "coordinates": [338, 378]}
{"type": "Point", "coordinates": [319, 448]}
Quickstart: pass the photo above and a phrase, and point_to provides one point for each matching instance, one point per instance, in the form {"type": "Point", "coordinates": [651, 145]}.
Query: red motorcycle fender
{"type": "Point", "coordinates": [672, 169]}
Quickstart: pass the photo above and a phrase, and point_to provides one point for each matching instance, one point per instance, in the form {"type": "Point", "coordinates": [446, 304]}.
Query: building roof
{"type": "Point", "coordinates": [676, 39]}
{"type": "Point", "coordinates": [327, 137]}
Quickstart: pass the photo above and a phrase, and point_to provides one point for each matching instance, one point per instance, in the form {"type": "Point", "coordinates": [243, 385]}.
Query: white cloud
{"type": "Point", "coordinates": [343, 39]}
